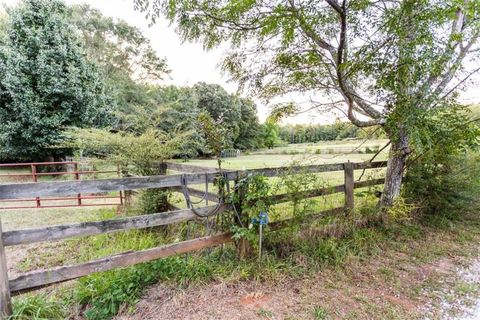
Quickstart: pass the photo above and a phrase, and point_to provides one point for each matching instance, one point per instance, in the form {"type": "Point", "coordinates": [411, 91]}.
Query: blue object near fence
{"type": "Point", "coordinates": [262, 219]}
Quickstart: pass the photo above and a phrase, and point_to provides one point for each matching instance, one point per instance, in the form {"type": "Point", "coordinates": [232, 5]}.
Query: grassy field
{"type": "Point", "coordinates": [27, 218]}
{"type": "Point", "coordinates": [328, 147]}
{"type": "Point", "coordinates": [283, 156]}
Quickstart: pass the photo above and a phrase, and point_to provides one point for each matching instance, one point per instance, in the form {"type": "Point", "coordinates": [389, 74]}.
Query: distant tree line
{"type": "Point", "coordinates": [339, 130]}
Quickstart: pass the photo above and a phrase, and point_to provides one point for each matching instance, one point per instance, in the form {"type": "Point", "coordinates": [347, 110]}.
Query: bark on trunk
{"type": "Point", "coordinates": [395, 169]}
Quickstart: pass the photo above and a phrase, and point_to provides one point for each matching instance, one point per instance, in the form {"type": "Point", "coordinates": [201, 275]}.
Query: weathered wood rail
{"type": "Point", "coordinates": [196, 176]}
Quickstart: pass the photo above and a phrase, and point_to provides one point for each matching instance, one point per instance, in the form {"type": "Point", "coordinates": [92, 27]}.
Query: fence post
{"type": "Point", "coordinates": [5, 299]}
{"type": "Point", "coordinates": [77, 177]}
{"type": "Point", "coordinates": [34, 176]}
{"type": "Point", "coordinates": [120, 193]}
{"type": "Point", "coordinates": [162, 168]}
{"type": "Point", "coordinates": [349, 185]}
{"type": "Point", "coordinates": [243, 248]}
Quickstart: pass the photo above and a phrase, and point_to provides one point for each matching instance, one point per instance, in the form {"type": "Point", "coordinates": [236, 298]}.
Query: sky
{"type": "Point", "coordinates": [189, 62]}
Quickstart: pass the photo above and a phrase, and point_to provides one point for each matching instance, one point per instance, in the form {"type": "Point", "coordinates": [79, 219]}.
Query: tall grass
{"type": "Point", "coordinates": [38, 307]}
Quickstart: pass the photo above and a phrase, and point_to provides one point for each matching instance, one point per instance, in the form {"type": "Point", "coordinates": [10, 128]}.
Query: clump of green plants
{"type": "Point", "coordinates": [443, 178]}
{"type": "Point", "coordinates": [296, 185]}
{"type": "Point", "coordinates": [443, 184]}
{"type": "Point", "coordinates": [320, 313]}
{"type": "Point", "coordinates": [137, 154]}
{"type": "Point", "coordinates": [38, 307]}
{"type": "Point", "coordinates": [250, 199]}
{"type": "Point", "coordinates": [401, 210]}
{"type": "Point", "coordinates": [216, 134]}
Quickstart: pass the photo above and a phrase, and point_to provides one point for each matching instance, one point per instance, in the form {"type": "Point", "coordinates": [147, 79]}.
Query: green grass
{"type": "Point", "coordinates": [105, 293]}
{"type": "Point", "coordinates": [319, 313]}
{"type": "Point", "coordinates": [255, 161]}
{"type": "Point", "coordinates": [38, 307]}
{"type": "Point", "coordinates": [326, 147]}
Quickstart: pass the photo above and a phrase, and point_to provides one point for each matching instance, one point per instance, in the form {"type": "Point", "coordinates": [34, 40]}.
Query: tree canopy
{"type": "Point", "coordinates": [46, 82]}
{"type": "Point", "coordinates": [72, 58]}
{"type": "Point", "coordinates": [388, 63]}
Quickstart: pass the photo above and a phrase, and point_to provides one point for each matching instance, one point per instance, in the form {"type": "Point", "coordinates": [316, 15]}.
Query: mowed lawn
{"type": "Point", "coordinates": [260, 159]}
{"type": "Point", "coordinates": [255, 161]}
{"type": "Point", "coordinates": [304, 154]}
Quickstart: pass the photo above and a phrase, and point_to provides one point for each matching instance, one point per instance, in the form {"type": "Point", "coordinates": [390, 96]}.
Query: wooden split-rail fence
{"type": "Point", "coordinates": [192, 175]}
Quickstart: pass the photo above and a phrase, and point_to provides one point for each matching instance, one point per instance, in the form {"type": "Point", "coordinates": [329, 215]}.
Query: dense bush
{"type": "Point", "coordinates": [443, 186]}
{"type": "Point", "coordinates": [443, 171]}
{"type": "Point", "coordinates": [46, 83]}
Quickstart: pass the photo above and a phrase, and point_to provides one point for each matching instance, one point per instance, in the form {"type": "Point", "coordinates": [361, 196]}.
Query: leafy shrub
{"type": "Point", "coordinates": [295, 185]}
{"type": "Point", "coordinates": [443, 186]}
{"type": "Point", "coordinates": [443, 176]}
{"type": "Point", "coordinates": [153, 201]}
{"type": "Point", "coordinates": [401, 210]}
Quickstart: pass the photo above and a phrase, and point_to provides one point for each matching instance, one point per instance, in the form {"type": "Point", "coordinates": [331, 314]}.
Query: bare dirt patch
{"type": "Point", "coordinates": [359, 292]}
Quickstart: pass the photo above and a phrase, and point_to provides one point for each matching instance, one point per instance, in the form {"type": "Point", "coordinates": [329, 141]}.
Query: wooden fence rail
{"type": "Point", "coordinates": [198, 175]}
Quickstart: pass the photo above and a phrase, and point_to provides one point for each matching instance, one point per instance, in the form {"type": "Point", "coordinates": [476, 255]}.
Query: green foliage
{"type": "Point", "coordinates": [250, 199]}
{"type": "Point", "coordinates": [130, 67]}
{"type": "Point", "coordinates": [238, 116]}
{"type": "Point", "coordinates": [441, 178]}
{"type": "Point", "coordinates": [120, 49]}
{"type": "Point", "coordinates": [177, 109]}
{"type": "Point", "coordinates": [270, 135]}
{"type": "Point", "coordinates": [107, 292]}
{"type": "Point", "coordinates": [46, 82]}
{"type": "Point", "coordinates": [250, 131]}
{"type": "Point", "coordinates": [328, 132]}
{"type": "Point", "coordinates": [124, 56]}
{"type": "Point", "coordinates": [444, 187]}
{"type": "Point", "coordinates": [400, 211]}
{"type": "Point", "coordinates": [141, 155]}
{"type": "Point", "coordinates": [217, 136]}
{"type": "Point", "coordinates": [37, 307]}
{"type": "Point", "coordinates": [295, 185]}
{"type": "Point", "coordinates": [381, 63]}
{"type": "Point", "coordinates": [319, 313]}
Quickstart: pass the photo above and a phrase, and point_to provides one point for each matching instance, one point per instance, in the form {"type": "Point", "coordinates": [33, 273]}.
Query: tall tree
{"type": "Point", "coordinates": [222, 107]}
{"type": "Point", "coordinates": [270, 134]}
{"type": "Point", "coordinates": [124, 55]}
{"type": "Point", "coordinates": [388, 63]}
{"type": "Point", "coordinates": [46, 82]}
{"type": "Point", "coordinates": [250, 131]}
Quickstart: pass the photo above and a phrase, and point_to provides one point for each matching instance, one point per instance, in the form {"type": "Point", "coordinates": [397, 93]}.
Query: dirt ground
{"type": "Point", "coordinates": [397, 284]}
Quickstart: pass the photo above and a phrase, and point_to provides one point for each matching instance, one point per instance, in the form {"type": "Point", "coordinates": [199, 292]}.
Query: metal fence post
{"type": "Point", "coordinates": [349, 185]}
{"type": "Point", "coordinates": [5, 299]}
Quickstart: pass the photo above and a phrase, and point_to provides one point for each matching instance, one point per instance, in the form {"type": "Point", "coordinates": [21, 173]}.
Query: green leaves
{"type": "Point", "coordinates": [46, 82]}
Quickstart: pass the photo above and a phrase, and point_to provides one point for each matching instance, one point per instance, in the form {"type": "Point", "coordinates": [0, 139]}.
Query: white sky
{"type": "Point", "coordinates": [188, 61]}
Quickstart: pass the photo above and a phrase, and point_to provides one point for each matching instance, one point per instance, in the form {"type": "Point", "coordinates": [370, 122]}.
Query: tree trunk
{"type": "Point", "coordinates": [395, 170]}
